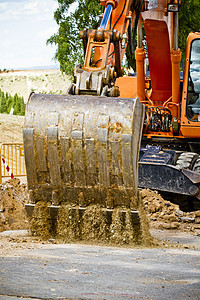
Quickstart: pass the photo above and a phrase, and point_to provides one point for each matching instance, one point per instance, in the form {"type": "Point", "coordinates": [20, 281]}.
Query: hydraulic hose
{"type": "Point", "coordinates": [138, 9]}
{"type": "Point", "coordinates": [106, 17]}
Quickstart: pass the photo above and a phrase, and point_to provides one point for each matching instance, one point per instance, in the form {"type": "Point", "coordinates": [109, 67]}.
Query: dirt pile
{"type": "Point", "coordinates": [91, 224]}
{"type": "Point", "coordinates": [13, 196]}
{"type": "Point", "coordinates": [165, 215]}
{"type": "Point", "coordinates": [161, 213]}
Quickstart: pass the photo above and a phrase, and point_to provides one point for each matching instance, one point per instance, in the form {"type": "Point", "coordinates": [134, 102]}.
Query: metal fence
{"type": "Point", "coordinates": [12, 162]}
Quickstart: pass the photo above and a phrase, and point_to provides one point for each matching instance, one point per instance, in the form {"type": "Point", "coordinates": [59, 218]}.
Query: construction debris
{"type": "Point", "coordinates": [165, 215]}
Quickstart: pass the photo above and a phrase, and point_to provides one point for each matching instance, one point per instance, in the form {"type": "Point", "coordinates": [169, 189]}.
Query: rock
{"type": "Point", "coordinates": [179, 213]}
{"type": "Point", "coordinates": [14, 233]}
{"type": "Point", "coordinates": [197, 220]}
{"type": "Point", "coordinates": [197, 213]}
{"type": "Point", "coordinates": [2, 209]}
{"type": "Point", "coordinates": [170, 218]}
{"type": "Point", "coordinates": [196, 226]}
{"type": "Point", "coordinates": [151, 208]}
{"type": "Point", "coordinates": [171, 208]}
{"type": "Point", "coordinates": [166, 225]}
{"type": "Point", "coordinates": [51, 240]}
{"type": "Point", "coordinates": [174, 225]}
{"type": "Point", "coordinates": [2, 216]}
{"type": "Point", "coordinates": [187, 219]}
{"type": "Point", "coordinates": [165, 215]}
{"type": "Point", "coordinates": [153, 219]}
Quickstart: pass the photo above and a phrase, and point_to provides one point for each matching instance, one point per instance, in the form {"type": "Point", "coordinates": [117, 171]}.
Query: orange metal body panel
{"type": "Point", "coordinates": [191, 131]}
{"type": "Point", "coordinates": [127, 86]}
{"type": "Point", "coordinates": [159, 60]}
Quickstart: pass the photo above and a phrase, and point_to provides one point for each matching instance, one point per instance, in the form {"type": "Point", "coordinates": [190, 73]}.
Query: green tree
{"type": "Point", "coordinates": [15, 104]}
{"type": "Point", "coordinates": [9, 102]}
{"type": "Point", "coordinates": [18, 105]}
{"type": "Point", "coordinates": [23, 107]}
{"type": "Point", "coordinates": [3, 106]}
{"type": "Point", "coordinates": [189, 20]}
{"type": "Point", "coordinates": [69, 47]}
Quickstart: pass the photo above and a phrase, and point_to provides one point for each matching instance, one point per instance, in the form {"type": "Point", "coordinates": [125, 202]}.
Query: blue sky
{"type": "Point", "coordinates": [25, 25]}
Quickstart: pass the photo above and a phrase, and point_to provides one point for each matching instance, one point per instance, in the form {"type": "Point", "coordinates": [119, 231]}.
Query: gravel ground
{"type": "Point", "coordinates": [73, 271]}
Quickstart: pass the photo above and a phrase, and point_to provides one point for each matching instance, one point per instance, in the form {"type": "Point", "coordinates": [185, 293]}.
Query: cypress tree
{"type": "Point", "coordinates": [3, 104]}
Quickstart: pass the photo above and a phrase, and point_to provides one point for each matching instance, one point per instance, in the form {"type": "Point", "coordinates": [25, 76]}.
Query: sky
{"type": "Point", "coordinates": [25, 26]}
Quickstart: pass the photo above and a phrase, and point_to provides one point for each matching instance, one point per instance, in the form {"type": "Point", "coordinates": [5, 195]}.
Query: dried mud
{"type": "Point", "coordinates": [40, 223]}
{"type": "Point", "coordinates": [13, 196]}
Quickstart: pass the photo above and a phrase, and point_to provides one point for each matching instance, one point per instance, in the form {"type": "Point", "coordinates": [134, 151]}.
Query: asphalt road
{"type": "Point", "coordinates": [72, 271]}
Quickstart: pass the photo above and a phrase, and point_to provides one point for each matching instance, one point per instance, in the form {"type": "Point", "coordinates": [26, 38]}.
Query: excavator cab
{"type": "Point", "coordinates": [190, 110]}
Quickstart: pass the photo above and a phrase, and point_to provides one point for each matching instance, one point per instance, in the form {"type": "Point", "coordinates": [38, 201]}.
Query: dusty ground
{"type": "Point", "coordinates": [74, 271]}
{"type": "Point", "coordinates": [11, 128]}
{"type": "Point", "coordinates": [13, 197]}
{"type": "Point", "coordinates": [39, 81]}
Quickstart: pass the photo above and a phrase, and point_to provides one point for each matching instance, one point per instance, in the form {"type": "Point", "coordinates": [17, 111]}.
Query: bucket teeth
{"type": "Point", "coordinates": [90, 223]}
{"type": "Point", "coordinates": [83, 150]}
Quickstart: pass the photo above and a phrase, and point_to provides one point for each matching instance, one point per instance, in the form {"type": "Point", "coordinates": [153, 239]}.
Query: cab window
{"type": "Point", "coordinates": [193, 95]}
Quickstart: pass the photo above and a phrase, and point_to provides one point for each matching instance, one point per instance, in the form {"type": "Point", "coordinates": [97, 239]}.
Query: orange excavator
{"type": "Point", "coordinates": [82, 148]}
{"type": "Point", "coordinates": [170, 153]}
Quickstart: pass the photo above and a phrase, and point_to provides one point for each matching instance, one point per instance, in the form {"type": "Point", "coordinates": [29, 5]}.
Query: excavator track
{"type": "Point", "coordinates": [83, 151]}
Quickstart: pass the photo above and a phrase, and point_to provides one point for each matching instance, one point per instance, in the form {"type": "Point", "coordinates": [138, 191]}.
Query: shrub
{"type": "Point", "coordinates": [7, 102]}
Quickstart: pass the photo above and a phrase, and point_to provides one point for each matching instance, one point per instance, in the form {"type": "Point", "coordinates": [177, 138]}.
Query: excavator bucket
{"type": "Point", "coordinates": [81, 152]}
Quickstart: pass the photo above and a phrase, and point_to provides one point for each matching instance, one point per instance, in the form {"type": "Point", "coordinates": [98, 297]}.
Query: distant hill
{"type": "Point", "coordinates": [50, 67]}
{"type": "Point", "coordinates": [43, 80]}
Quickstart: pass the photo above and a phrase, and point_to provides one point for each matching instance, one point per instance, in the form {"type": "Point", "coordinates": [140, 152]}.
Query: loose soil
{"type": "Point", "coordinates": [165, 215]}
{"type": "Point", "coordinates": [13, 197]}
{"type": "Point", "coordinates": [161, 214]}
